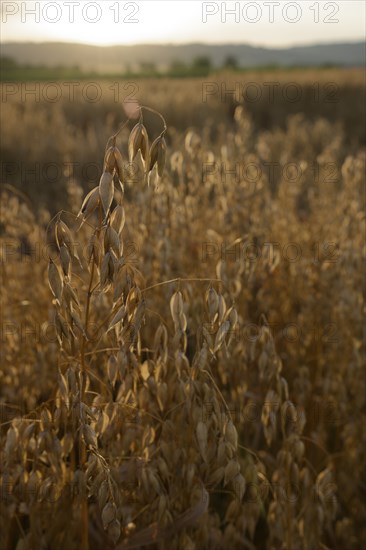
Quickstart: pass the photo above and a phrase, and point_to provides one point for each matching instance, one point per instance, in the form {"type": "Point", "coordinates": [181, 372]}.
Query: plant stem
{"type": "Point", "coordinates": [82, 456]}
{"type": "Point", "coordinates": [178, 279]}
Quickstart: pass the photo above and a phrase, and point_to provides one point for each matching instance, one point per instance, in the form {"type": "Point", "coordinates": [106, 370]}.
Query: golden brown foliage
{"type": "Point", "coordinates": [183, 356]}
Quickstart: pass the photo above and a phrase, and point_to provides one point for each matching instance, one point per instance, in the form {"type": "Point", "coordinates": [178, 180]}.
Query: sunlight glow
{"type": "Point", "coordinates": [112, 22]}
{"type": "Point", "coordinates": [98, 23]}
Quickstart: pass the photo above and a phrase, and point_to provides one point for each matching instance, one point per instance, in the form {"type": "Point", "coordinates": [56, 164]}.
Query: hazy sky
{"type": "Point", "coordinates": [103, 22]}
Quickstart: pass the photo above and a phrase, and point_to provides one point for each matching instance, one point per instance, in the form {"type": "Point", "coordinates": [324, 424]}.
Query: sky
{"type": "Point", "coordinates": [273, 23]}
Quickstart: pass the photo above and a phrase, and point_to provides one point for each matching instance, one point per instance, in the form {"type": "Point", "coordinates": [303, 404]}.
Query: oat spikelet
{"type": "Point", "coordinates": [138, 141]}
{"type": "Point", "coordinates": [158, 155]}
{"type": "Point", "coordinates": [55, 281]}
{"type": "Point", "coordinates": [106, 191]}
{"type": "Point", "coordinates": [90, 203]}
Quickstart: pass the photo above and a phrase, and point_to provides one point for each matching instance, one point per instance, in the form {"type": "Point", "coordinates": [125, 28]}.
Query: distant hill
{"type": "Point", "coordinates": [116, 58]}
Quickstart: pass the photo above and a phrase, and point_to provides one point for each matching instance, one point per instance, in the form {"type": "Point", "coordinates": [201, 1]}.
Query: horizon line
{"type": "Point", "coordinates": [190, 43]}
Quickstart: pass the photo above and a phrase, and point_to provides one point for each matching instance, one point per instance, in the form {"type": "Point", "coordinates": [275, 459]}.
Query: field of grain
{"type": "Point", "coordinates": [182, 313]}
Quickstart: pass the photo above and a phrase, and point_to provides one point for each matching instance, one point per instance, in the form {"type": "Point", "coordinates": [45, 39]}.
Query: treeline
{"type": "Point", "coordinates": [200, 66]}
{"type": "Point", "coordinates": [11, 71]}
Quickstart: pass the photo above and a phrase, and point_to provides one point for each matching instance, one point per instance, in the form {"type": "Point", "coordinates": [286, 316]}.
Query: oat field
{"type": "Point", "coordinates": [182, 313]}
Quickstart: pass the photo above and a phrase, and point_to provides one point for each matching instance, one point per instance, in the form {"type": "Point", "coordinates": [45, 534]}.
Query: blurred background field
{"type": "Point", "coordinates": [70, 120]}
